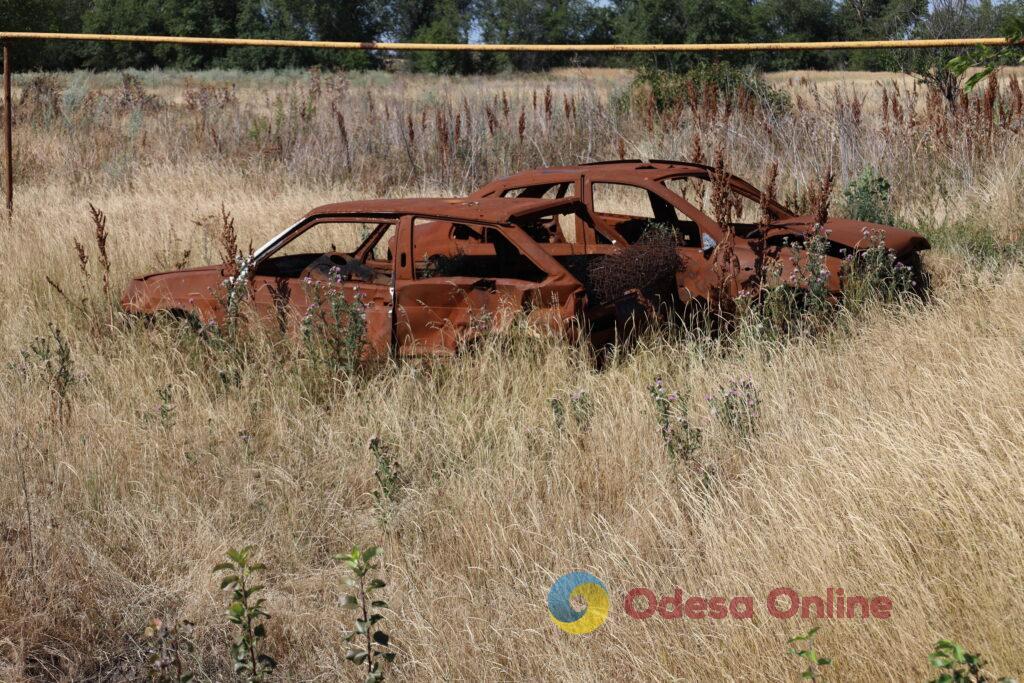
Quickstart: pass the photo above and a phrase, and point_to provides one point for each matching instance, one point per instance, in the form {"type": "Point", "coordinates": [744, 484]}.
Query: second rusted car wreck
{"type": "Point", "coordinates": [628, 200]}
{"type": "Point", "coordinates": [363, 251]}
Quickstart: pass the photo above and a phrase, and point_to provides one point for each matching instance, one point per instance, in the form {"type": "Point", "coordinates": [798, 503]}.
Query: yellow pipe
{"type": "Point", "coordinates": [484, 47]}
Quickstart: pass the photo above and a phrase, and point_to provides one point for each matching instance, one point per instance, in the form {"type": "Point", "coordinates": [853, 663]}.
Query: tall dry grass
{"type": "Point", "coordinates": [885, 459]}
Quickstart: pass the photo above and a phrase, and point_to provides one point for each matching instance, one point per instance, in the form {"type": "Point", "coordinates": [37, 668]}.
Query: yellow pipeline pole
{"type": "Point", "coordinates": [8, 148]}
{"type": "Point", "coordinates": [493, 47]}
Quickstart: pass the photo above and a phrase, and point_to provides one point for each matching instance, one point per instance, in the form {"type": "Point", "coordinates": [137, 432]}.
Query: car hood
{"type": "Point", "coordinates": [178, 289]}
{"type": "Point", "coordinates": [854, 234]}
{"type": "Point", "coordinates": [184, 273]}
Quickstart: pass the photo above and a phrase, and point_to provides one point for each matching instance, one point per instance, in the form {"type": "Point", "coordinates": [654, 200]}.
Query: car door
{"type": "Point", "coordinates": [443, 305]}
{"type": "Point", "coordinates": [310, 291]}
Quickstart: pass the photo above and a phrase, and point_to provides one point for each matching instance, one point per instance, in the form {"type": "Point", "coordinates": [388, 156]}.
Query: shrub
{"type": "Point", "coordinates": [674, 89]}
{"type": "Point", "coordinates": [867, 198]}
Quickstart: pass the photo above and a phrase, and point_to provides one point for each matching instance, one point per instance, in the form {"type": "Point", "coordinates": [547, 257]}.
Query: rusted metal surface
{"type": "Point", "coordinates": [8, 123]}
{"type": "Point", "coordinates": [597, 232]}
{"type": "Point", "coordinates": [411, 306]}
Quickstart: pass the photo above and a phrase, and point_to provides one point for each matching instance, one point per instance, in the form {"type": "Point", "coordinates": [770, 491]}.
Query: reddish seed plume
{"type": "Point", "coordinates": [228, 243]}
{"type": "Point", "coordinates": [99, 220]}
{"type": "Point", "coordinates": [696, 151]}
{"type": "Point", "coordinates": [83, 258]}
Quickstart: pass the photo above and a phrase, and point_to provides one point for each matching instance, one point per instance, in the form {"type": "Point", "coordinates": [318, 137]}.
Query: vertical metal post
{"type": "Point", "coordinates": [8, 153]}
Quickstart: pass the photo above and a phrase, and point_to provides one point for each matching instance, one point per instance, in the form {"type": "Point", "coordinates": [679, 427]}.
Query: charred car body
{"type": "Point", "coordinates": [570, 247]}
{"type": "Point", "coordinates": [625, 200]}
{"type": "Point", "coordinates": [364, 252]}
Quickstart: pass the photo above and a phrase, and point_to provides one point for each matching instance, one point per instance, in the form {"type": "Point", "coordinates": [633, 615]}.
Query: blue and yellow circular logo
{"type": "Point", "coordinates": [583, 585]}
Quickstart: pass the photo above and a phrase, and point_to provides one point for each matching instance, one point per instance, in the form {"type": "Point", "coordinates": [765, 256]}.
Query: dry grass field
{"type": "Point", "coordinates": [884, 458]}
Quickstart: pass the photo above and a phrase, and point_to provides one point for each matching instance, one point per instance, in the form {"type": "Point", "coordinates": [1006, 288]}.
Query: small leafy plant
{"type": "Point", "coordinates": [737, 406]}
{"type": "Point", "coordinates": [247, 614]}
{"type": "Point", "coordinates": [367, 643]}
{"type": "Point", "coordinates": [577, 406]}
{"type": "Point", "coordinates": [803, 647]}
{"type": "Point", "coordinates": [956, 665]}
{"type": "Point", "coordinates": [389, 477]}
{"type": "Point", "coordinates": [166, 408]}
{"type": "Point", "coordinates": [165, 647]}
{"type": "Point", "coordinates": [680, 437]}
{"type": "Point", "coordinates": [50, 359]}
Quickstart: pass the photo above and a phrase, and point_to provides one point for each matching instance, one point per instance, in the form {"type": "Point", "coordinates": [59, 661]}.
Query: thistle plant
{"type": "Point", "coordinates": [165, 411]}
{"type": "Point", "coordinates": [236, 288]}
{"type": "Point", "coordinates": [680, 437]}
{"type": "Point", "coordinates": [237, 269]}
{"type": "Point", "coordinates": [810, 272]}
{"type": "Point", "coordinates": [803, 647]}
{"type": "Point", "coordinates": [577, 405]}
{"type": "Point", "coordinates": [247, 613]}
{"type": "Point", "coordinates": [333, 328]}
{"type": "Point", "coordinates": [367, 643]}
{"type": "Point", "coordinates": [875, 272]}
{"type": "Point", "coordinates": [737, 406]}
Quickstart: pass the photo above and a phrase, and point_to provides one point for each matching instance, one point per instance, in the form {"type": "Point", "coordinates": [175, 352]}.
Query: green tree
{"type": "Point", "coordinates": [685, 21]}
{"type": "Point", "coordinates": [988, 59]}
{"type": "Point", "coordinates": [796, 21]}
{"type": "Point", "coordinates": [48, 16]}
{"type": "Point", "coordinates": [948, 19]}
{"type": "Point", "coordinates": [535, 21]}
{"type": "Point", "coordinates": [438, 21]}
{"type": "Point", "coordinates": [877, 20]}
{"type": "Point", "coordinates": [353, 20]}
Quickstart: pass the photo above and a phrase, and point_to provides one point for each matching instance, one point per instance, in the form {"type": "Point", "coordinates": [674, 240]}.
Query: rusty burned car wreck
{"type": "Point", "coordinates": [364, 251]}
{"type": "Point", "coordinates": [627, 201]}
{"type": "Point", "coordinates": [598, 247]}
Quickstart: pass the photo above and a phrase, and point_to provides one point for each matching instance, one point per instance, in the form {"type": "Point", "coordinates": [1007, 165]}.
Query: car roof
{"type": "Point", "coordinates": [484, 210]}
{"type": "Point", "coordinates": [625, 168]}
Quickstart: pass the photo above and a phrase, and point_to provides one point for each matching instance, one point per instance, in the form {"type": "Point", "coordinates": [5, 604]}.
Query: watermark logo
{"type": "Point", "coordinates": [587, 587]}
{"type": "Point", "coordinates": [642, 603]}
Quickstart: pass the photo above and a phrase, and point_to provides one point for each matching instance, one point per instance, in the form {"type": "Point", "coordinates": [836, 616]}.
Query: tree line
{"type": "Point", "coordinates": [497, 21]}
